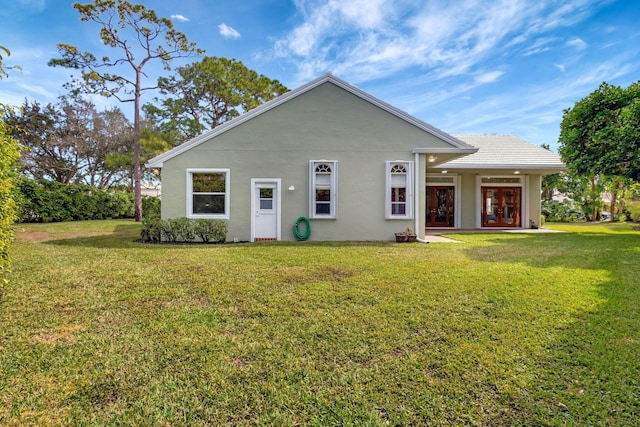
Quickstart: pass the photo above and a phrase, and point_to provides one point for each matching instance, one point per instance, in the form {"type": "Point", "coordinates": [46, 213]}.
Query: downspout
{"type": "Point", "coordinates": [416, 197]}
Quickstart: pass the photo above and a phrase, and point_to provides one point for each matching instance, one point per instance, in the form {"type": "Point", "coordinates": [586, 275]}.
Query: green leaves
{"type": "Point", "coordinates": [134, 31]}
{"type": "Point", "coordinates": [601, 133]}
{"type": "Point", "coordinates": [208, 93]}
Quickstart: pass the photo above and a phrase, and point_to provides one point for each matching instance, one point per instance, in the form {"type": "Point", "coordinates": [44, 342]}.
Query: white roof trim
{"type": "Point", "coordinates": [451, 165]}
{"type": "Point", "coordinates": [458, 146]}
{"type": "Point", "coordinates": [469, 150]}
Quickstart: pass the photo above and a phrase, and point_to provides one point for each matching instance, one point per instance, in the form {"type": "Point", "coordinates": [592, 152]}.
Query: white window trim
{"type": "Point", "coordinates": [333, 205]}
{"type": "Point", "coordinates": [227, 195]}
{"type": "Point", "coordinates": [409, 165]}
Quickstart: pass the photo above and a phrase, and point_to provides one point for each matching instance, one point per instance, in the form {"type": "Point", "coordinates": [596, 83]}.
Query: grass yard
{"type": "Point", "coordinates": [502, 329]}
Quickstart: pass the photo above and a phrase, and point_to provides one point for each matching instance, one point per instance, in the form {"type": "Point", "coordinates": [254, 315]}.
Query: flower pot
{"type": "Point", "coordinates": [401, 237]}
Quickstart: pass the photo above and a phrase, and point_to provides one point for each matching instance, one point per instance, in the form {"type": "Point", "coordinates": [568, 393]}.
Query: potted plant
{"type": "Point", "coordinates": [406, 236]}
{"type": "Point", "coordinates": [411, 236]}
{"type": "Point", "coordinates": [401, 237]}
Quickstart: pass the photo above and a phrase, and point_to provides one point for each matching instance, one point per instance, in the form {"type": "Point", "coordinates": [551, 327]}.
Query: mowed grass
{"type": "Point", "coordinates": [501, 329]}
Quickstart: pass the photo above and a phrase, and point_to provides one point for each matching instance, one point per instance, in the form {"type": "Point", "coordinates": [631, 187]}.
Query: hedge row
{"type": "Point", "coordinates": [8, 156]}
{"type": "Point", "coordinates": [183, 229]}
{"type": "Point", "coordinates": [49, 201]}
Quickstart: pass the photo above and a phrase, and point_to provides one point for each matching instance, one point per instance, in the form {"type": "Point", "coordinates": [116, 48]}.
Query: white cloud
{"type": "Point", "coordinates": [489, 77]}
{"type": "Point", "coordinates": [179, 18]}
{"type": "Point", "coordinates": [539, 45]}
{"type": "Point", "coordinates": [578, 43]}
{"type": "Point", "coordinates": [228, 32]}
{"type": "Point", "coordinates": [377, 38]}
{"type": "Point", "coordinates": [560, 67]}
{"type": "Point", "coordinates": [33, 5]}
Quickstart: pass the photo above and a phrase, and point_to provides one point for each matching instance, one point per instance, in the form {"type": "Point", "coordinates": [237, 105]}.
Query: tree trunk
{"type": "Point", "coordinates": [137, 171]}
{"type": "Point", "coordinates": [595, 205]}
{"type": "Point", "coordinates": [614, 199]}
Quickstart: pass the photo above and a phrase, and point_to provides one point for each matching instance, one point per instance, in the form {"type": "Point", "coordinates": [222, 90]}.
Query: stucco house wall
{"type": "Point", "coordinates": [328, 119]}
{"type": "Point", "coordinates": [327, 124]}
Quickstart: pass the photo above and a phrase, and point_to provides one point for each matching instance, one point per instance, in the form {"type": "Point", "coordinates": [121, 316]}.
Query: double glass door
{"type": "Point", "coordinates": [501, 206]}
{"type": "Point", "coordinates": [440, 209]}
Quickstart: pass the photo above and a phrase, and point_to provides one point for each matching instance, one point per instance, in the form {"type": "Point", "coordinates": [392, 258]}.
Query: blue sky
{"type": "Point", "coordinates": [464, 66]}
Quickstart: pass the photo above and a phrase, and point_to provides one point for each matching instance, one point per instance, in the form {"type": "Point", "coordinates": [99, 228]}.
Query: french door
{"type": "Point", "coordinates": [440, 206]}
{"type": "Point", "coordinates": [501, 206]}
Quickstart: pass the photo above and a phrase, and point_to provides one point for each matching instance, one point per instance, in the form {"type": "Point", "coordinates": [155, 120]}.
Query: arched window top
{"type": "Point", "coordinates": [323, 168]}
{"type": "Point", "coordinates": [398, 168]}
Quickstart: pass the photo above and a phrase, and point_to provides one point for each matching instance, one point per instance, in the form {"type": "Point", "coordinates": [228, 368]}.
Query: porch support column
{"type": "Point", "coordinates": [526, 203]}
{"type": "Point", "coordinates": [418, 224]}
{"type": "Point", "coordinates": [479, 201]}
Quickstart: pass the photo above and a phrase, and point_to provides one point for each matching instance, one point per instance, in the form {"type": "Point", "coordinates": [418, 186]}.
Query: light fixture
{"type": "Point", "coordinates": [291, 188]}
{"type": "Point", "coordinates": [432, 158]}
{"type": "Point", "coordinates": [444, 171]}
{"type": "Point", "coordinates": [516, 172]}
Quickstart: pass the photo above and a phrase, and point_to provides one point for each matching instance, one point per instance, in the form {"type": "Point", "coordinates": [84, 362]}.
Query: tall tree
{"type": "Point", "coordinates": [47, 154]}
{"type": "Point", "coordinates": [551, 183]}
{"type": "Point", "coordinates": [69, 142]}
{"type": "Point", "coordinates": [601, 133]}
{"type": "Point", "coordinates": [207, 93]}
{"type": "Point", "coordinates": [152, 143]}
{"type": "Point", "coordinates": [140, 36]}
{"type": "Point", "coordinates": [95, 135]}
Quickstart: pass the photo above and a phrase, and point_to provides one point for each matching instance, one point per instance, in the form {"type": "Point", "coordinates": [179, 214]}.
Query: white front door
{"type": "Point", "coordinates": [265, 224]}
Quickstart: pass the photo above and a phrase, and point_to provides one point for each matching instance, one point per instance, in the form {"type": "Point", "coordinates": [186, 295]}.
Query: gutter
{"type": "Point", "coordinates": [416, 196]}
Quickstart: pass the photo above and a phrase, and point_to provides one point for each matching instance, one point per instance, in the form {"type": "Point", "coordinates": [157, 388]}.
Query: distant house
{"type": "Point", "coordinates": [357, 167]}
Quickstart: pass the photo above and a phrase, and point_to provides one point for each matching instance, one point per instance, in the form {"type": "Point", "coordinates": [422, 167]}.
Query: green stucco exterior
{"type": "Point", "coordinates": [326, 122]}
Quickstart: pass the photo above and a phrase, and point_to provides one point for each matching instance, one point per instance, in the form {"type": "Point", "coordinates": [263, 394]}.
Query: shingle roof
{"type": "Point", "coordinates": [504, 152]}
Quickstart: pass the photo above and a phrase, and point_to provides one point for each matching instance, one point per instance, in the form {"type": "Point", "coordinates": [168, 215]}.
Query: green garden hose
{"type": "Point", "coordinates": [296, 228]}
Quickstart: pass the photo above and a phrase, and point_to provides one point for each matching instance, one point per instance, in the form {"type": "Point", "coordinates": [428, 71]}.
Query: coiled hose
{"type": "Point", "coordinates": [302, 236]}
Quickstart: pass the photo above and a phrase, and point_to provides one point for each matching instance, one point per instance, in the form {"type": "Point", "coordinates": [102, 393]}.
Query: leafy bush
{"type": "Point", "coordinates": [8, 156]}
{"type": "Point", "coordinates": [168, 230]}
{"type": "Point", "coordinates": [209, 230]}
{"type": "Point", "coordinates": [151, 223]}
{"type": "Point", "coordinates": [555, 211]}
{"type": "Point", "coordinates": [151, 229]}
{"type": "Point", "coordinates": [633, 209]}
{"type": "Point", "coordinates": [183, 230]}
{"type": "Point", "coordinates": [151, 206]}
{"type": "Point", "coordinates": [50, 201]}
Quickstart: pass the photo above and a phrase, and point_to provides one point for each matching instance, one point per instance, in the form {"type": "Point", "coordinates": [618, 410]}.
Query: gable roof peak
{"type": "Point", "coordinates": [328, 77]}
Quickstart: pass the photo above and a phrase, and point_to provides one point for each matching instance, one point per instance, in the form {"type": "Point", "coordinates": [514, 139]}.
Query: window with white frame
{"type": "Point", "coordinates": [323, 191]}
{"type": "Point", "coordinates": [399, 192]}
{"type": "Point", "coordinates": [208, 193]}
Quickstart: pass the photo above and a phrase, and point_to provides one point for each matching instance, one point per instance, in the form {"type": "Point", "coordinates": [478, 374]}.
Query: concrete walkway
{"type": "Point", "coordinates": [435, 236]}
{"type": "Point", "coordinates": [432, 238]}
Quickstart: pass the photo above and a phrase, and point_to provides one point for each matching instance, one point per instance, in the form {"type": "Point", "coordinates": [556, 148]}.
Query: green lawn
{"type": "Point", "coordinates": [502, 329]}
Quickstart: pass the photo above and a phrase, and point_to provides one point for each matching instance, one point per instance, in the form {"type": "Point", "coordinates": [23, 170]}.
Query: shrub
{"type": "Point", "coordinates": [555, 211]}
{"type": "Point", "coordinates": [210, 230]}
{"type": "Point", "coordinates": [184, 229]}
{"type": "Point", "coordinates": [151, 229]}
{"type": "Point", "coordinates": [8, 156]}
{"type": "Point", "coordinates": [151, 223]}
{"type": "Point", "coordinates": [633, 209]}
{"type": "Point", "coordinates": [50, 201]}
{"type": "Point", "coordinates": [187, 230]}
{"type": "Point", "coordinates": [151, 206]}
{"type": "Point", "coordinates": [168, 230]}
